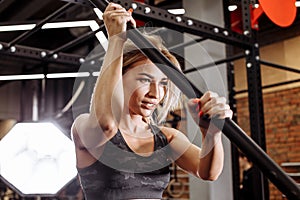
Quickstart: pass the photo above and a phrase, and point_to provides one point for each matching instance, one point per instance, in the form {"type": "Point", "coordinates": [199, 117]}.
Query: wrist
{"type": "Point", "coordinates": [119, 38]}
{"type": "Point", "coordinates": [115, 46]}
{"type": "Point", "coordinates": [211, 133]}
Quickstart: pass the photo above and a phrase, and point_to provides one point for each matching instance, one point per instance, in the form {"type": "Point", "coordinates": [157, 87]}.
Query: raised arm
{"type": "Point", "coordinates": [95, 128]}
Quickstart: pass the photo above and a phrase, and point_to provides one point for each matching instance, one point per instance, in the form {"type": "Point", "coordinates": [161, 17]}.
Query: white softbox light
{"type": "Point", "coordinates": [37, 158]}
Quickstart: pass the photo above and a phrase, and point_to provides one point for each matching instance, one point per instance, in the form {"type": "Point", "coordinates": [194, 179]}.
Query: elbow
{"type": "Point", "coordinates": [107, 127]}
{"type": "Point", "coordinates": [208, 176]}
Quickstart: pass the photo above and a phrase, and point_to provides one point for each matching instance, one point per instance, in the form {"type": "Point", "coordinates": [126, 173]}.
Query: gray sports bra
{"type": "Point", "coordinates": [121, 174]}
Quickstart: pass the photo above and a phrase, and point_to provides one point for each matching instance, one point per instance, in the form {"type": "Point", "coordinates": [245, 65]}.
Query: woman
{"type": "Point", "coordinates": [121, 153]}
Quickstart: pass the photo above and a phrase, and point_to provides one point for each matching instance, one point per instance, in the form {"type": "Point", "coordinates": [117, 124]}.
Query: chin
{"type": "Point", "coordinates": [146, 113]}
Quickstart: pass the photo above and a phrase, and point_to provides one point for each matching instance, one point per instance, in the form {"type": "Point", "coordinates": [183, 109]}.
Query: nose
{"type": "Point", "coordinates": [154, 90]}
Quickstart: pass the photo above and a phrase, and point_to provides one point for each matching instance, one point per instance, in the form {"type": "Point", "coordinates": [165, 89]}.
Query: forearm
{"type": "Point", "coordinates": [108, 85]}
{"type": "Point", "coordinates": [212, 156]}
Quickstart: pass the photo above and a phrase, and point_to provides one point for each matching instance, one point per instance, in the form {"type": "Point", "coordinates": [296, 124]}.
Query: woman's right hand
{"type": "Point", "coordinates": [115, 18]}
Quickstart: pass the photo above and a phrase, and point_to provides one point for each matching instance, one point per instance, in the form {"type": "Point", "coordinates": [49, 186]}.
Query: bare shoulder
{"type": "Point", "coordinates": [85, 157]}
{"type": "Point", "coordinates": [75, 137]}
{"type": "Point", "coordinates": [170, 133]}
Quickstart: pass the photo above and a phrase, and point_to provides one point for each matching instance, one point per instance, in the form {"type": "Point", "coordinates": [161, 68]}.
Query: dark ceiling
{"type": "Point", "coordinates": [14, 12]}
{"type": "Point", "coordinates": [33, 11]}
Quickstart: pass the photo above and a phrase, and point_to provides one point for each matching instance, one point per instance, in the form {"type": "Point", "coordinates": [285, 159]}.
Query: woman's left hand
{"type": "Point", "coordinates": [209, 105]}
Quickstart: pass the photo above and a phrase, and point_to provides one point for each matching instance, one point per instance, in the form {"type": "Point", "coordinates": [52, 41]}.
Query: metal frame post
{"type": "Point", "coordinates": [232, 102]}
{"type": "Point", "coordinates": [255, 100]}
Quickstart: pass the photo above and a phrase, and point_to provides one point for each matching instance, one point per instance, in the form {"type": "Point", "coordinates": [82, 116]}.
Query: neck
{"type": "Point", "coordinates": [134, 124]}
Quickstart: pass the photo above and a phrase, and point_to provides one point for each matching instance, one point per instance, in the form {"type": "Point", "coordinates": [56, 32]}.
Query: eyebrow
{"type": "Point", "coordinates": [150, 76]}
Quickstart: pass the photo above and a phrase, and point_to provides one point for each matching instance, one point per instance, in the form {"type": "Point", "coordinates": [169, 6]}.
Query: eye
{"type": "Point", "coordinates": [164, 83]}
{"type": "Point", "coordinates": [144, 80]}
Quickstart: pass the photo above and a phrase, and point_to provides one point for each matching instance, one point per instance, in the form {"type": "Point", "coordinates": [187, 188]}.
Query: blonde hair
{"type": "Point", "coordinates": [172, 95]}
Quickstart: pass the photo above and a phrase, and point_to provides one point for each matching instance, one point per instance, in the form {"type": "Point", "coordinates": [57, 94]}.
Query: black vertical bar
{"type": "Point", "coordinates": [256, 112]}
{"type": "Point", "coordinates": [232, 102]}
{"type": "Point", "coordinates": [245, 6]}
{"type": "Point", "coordinates": [255, 100]}
{"type": "Point", "coordinates": [234, 149]}
{"type": "Point", "coordinates": [42, 108]}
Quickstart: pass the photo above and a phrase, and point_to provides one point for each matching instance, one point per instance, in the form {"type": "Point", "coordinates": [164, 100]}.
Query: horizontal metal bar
{"type": "Point", "coordinates": [40, 54]}
{"type": "Point", "coordinates": [277, 66]}
{"type": "Point", "coordinates": [272, 85]}
{"type": "Point", "coordinates": [186, 24]}
{"type": "Point", "coordinates": [175, 22]}
{"type": "Point", "coordinates": [290, 164]}
{"type": "Point", "coordinates": [294, 174]}
{"type": "Point", "coordinates": [218, 62]}
{"type": "Point", "coordinates": [39, 25]}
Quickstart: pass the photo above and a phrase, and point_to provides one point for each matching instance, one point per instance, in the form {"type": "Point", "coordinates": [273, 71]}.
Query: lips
{"type": "Point", "coordinates": [149, 105]}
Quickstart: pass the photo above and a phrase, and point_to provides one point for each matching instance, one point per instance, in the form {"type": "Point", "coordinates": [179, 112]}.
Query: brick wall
{"type": "Point", "coordinates": [282, 126]}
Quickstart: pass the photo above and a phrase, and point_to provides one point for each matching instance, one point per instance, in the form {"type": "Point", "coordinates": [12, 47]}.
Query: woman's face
{"type": "Point", "coordinates": [144, 87]}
